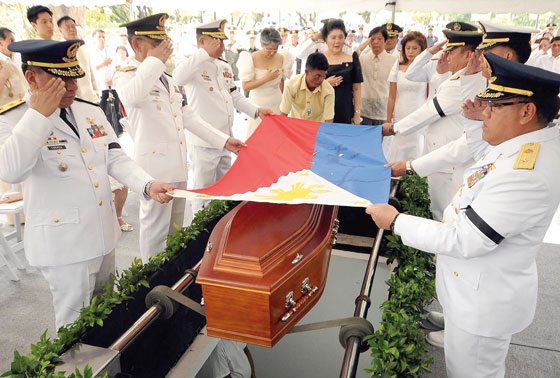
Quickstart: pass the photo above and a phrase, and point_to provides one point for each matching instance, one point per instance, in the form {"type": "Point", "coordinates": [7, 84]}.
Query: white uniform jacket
{"type": "Point", "coordinates": [443, 113]}
{"type": "Point", "coordinates": [486, 276]}
{"type": "Point", "coordinates": [423, 69]}
{"type": "Point", "coordinates": [70, 216]}
{"type": "Point", "coordinates": [211, 93]}
{"type": "Point", "coordinates": [157, 119]}
{"type": "Point", "coordinates": [466, 148]}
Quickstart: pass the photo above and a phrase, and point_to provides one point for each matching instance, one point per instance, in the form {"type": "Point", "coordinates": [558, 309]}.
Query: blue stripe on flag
{"type": "Point", "coordinates": [351, 157]}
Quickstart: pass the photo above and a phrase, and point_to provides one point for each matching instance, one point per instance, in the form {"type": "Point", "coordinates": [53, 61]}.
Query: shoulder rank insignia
{"type": "Point", "coordinates": [223, 60]}
{"type": "Point", "coordinates": [479, 174]}
{"type": "Point", "coordinates": [11, 105]}
{"type": "Point", "coordinates": [126, 69]}
{"type": "Point", "coordinates": [85, 101]}
{"type": "Point", "coordinates": [527, 156]}
{"type": "Point", "coordinates": [455, 76]}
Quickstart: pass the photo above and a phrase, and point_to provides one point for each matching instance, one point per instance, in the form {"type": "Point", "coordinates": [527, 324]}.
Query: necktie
{"type": "Point", "coordinates": [165, 82]}
{"type": "Point", "coordinates": [64, 116]}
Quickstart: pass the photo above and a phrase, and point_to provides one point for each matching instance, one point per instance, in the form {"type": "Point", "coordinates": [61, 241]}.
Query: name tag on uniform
{"type": "Point", "coordinates": [479, 174]}
{"type": "Point", "coordinates": [154, 92]}
{"type": "Point", "coordinates": [57, 147]}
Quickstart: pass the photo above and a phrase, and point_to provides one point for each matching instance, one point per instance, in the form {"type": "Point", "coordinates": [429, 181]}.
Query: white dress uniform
{"type": "Point", "coordinates": [443, 119]}
{"type": "Point", "coordinates": [486, 273]}
{"type": "Point", "coordinates": [488, 286]}
{"type": "Point", "coordinates": [423, 69]}
{"type": "Point", "coordinates": [154, 106]}
{"type": "Point", "coordinates": [15, 86]}
{"type": "Point", "coordinates": [71, 221]}
{"type": "Point", "coordinates": [211, 92]}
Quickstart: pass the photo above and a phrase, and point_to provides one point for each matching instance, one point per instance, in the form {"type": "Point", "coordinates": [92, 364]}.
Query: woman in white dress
{"type": "Point", "coordinates": [405, 96]}
{"type": "Point", "coordinates": [263, 73]}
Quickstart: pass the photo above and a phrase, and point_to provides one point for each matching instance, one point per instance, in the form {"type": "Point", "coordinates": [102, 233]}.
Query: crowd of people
{"type": "Point", "coordinates": [439, 102]}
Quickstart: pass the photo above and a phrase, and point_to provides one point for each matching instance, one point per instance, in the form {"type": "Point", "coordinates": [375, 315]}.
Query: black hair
{"type": "Point", "coordinates": [4, 33]}
{"type": "Point", "coordinates": [317, 61]}
{"type": "Point", "coordinates": [64, 18]}
{"type": "Point", "coordinates": [547, 108]}
{"type": "Point", "coordinates": [379, 29]}
{"type": "Point", "coordinates": [34, 11]}
{"type": "Point", "coordinates": [270, 36]}
{"type": "Point", "coordinates": [555, 39]}
{"type": "Point", "coordinates": [331, 25]}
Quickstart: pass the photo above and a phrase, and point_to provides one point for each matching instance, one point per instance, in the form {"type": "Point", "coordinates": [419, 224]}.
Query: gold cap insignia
{"type": "Point", "coordinates": [457, 26]}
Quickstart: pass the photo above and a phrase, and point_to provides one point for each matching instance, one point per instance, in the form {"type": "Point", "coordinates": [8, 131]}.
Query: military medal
{"type": "Point", "coordinates": [479, 174]}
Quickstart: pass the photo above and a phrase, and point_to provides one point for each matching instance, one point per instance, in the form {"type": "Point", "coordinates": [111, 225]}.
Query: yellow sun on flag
{"type": "Point", "coordinates": [298, 191]}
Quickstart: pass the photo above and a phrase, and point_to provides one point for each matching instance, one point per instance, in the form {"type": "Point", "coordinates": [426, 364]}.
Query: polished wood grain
{"type": "Point", "coordinates": [249, 269]}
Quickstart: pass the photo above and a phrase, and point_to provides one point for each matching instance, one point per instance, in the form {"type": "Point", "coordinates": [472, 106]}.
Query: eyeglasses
{"type": "Point", "coordinates": [491, 104]}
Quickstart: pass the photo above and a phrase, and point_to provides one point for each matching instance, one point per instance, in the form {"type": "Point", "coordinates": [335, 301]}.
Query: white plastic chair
{"type": "Point", "coordinates": [7, 252]}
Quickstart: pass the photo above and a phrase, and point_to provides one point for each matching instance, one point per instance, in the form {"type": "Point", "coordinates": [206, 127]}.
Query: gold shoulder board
{"type": "Point", "coordinates": [527, 156]}
{"type": "Point", "coordinates": [126, 69]}
{"type": "Point", "coordinates": [11, 105]}
{"type": "Point", "coordinates": [456, 76]}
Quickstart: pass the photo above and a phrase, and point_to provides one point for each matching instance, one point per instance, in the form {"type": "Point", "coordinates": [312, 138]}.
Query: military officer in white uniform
{"type": "Point", "coordinates": [154, 105]}
{"type": "Point", "coordinates": [63, 151]}
{"type": "Point", "coordinates": [211, 91]}
{"type": "Point", "coordinates": [442, 116]}
{"type": "Point", "coordinates": [509, 42]}
{"type": "Point", "coordinates": [486, 275]}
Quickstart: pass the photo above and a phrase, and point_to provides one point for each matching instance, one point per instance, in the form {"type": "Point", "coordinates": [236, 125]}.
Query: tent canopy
{"type": "Point", "coordinates": [440, 6]}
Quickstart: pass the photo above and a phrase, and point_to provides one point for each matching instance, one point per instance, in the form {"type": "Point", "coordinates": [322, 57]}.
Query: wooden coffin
{"type": "Point", "coordinates": [264, 268]}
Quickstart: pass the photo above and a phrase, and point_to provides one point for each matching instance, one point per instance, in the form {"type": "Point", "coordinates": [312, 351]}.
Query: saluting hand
{"type": "Point", "coordinates": [437, 47]}
{"type": "Point", "coordinates": [234, 145]}
{"type": "Point", "coordinates": [46, 100]}
{"type": "Point", "coordinates": [162, 51]}
{"type": "Point", "coordinates": [158, 192]}
{"type": "Point", "coordinates": [473, 109]}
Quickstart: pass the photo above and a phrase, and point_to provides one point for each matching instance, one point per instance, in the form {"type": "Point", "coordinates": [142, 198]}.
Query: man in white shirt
{"type": "Point", "coordinates": [87, 87]}
{"type": "Point", "coordinates": [550, 62]}
{"type": "Point", "coordinates": [100, 61]}
{"type": "Point", "coordinates": [376, 66]}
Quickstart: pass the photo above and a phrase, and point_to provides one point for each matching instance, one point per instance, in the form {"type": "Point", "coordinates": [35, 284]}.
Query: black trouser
{"type": "Point", "coordinates": [372, 122]}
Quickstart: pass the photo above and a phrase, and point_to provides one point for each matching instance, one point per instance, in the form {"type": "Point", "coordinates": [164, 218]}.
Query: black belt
{"type": "Point", "coordinates": [484, 227]}
{"type": "Point", "coordinates": [438, 108]}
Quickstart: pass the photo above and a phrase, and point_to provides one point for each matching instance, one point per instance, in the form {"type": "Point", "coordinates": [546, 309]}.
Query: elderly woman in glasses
{"type": "Point", "coordinates": [263, 73]}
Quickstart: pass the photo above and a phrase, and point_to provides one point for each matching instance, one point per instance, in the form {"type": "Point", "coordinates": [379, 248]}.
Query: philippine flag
{"type": "Point", "coordinates": [288, 160]}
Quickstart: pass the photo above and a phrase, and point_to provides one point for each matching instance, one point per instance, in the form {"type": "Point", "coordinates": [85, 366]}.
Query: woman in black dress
{"type": "Point", "coordinates": [344, 73]}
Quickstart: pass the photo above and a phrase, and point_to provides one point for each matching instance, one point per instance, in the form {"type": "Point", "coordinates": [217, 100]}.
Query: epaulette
{"type": "Point", "coordinates": [527, 156]}
{"type": "Point", "coordinates": [11, 105]}
{"type": "Point", "coordinates": [168, 74]}
{"type": "Point", "coordinates": [456, 76]}
{"type": "Point", "coordinates": [86, 101]}
{"type": "Point", "coordinates": [126, 69]}
{"type": "Point", "coordinates": [223, 60]}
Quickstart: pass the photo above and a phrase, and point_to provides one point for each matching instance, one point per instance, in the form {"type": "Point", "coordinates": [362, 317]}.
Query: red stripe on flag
{"type": "Point", "coordinates": [279, 145]}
